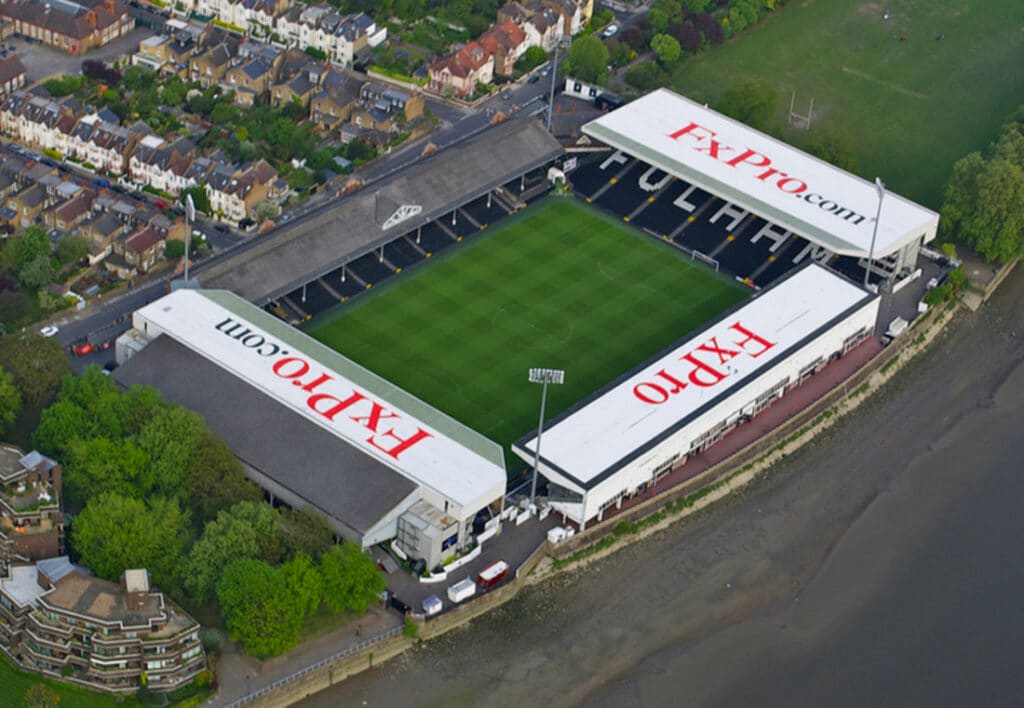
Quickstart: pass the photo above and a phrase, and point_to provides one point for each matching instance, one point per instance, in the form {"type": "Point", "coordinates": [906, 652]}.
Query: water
{"type": "Point", "coordinates": [880, 565]}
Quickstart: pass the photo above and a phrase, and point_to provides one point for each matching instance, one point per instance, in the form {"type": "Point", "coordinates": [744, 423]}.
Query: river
{"type": "Point", "coordinates": [879, 565]}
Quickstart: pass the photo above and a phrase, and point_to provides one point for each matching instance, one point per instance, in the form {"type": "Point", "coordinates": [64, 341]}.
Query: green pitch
{"type": "Point", "coordinates": [559, 285]}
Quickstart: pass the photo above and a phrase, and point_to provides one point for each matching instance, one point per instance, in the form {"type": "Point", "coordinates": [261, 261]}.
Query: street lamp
{"type": "Point", "coordinates": [563, 43]}
{"type": "Point", "coordinates": [190, 218]}
{"type": "Point", "coordinates": [880, 188]}
{"type": "Point", "coordinates": [542, 376]}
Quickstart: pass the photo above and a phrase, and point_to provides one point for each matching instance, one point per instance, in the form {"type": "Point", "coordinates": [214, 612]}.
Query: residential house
{"type": "Point", "coordinates": [321, 27]}
{"type": "Point", "coordinates": [250, 81]}
{"type": "Point", "coordinates": [101, 230]}
{"type": "Point", "coordinates": [74, 27]}
{"type": "Point", "coordinates": [162, 165]}
{"type": "Point", "coordinates": [393, 100]}
{"type": "Point", "coordinates": [136, 252]}
{"type": "Point", "coordinates": [506, 41]}
{"type": "Point", "coordinates": [31, 522]}
{"type": "Point", "coordinates": [67, 215]}
{"type": "Point", "coordinates": [459, 73]}
{"type": "Point", "coordinates": [12, 74]}
{"type": "Point", "coordinates": [338, 96]}
{"type": "Point", "coordinates": [234, 195]}
{"type": "Point", "coordinates": [210, 66]}
{"type": "Point", "coordinates": [56, 618]}
{"type": "Point", "coordinates": [28, 204]}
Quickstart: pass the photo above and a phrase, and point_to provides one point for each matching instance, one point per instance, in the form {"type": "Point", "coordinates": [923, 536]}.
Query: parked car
{"type": "Point", "coordinates": [161, 204]}
{"type": "Point", "coordinates": [49, 330]}
{"type": "Point", "coordinates": [533, 79]}
{"type": "Point", "coordinates": [83, 348]}
{"type": "Point", "coordinates": [610, 31]}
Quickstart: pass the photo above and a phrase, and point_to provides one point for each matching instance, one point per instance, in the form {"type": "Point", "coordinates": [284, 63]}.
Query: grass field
{"type": "Point", "coordinates": [560, 285]}
{"type": "Point", "coordinates": [910, 108]}
{"type": "Point", "coordinates": [14, 684]}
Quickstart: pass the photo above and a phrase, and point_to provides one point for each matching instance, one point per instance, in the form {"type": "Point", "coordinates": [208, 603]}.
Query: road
{"type": "Point", "coordinates": [879, 565]}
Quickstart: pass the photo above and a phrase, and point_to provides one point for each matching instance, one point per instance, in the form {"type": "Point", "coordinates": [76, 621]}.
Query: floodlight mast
{"type": "Point", "coordinates": [880, 188]}
{"type": "Point", "coordinates": [542, 376]}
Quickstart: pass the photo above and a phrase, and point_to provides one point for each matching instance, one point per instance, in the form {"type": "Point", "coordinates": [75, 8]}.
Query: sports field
{"type": "Point", "coordinates": [909, 104]}
{"type": "Point", "coordinates": [559, 285]}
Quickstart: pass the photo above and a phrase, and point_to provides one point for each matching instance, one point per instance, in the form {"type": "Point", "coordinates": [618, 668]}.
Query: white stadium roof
{"type": "Point", "coordinates": [797, 191]}
{"type": "Point", "coordinates": [371, 414]}
{"type": "Point", "coordinates": [612, 427]}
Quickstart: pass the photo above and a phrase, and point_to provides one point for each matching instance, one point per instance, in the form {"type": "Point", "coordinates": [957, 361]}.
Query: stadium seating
{"type": "Point", "coordinates": [371, 269]}
{"type": "Point", "coordinates": [690, 217]}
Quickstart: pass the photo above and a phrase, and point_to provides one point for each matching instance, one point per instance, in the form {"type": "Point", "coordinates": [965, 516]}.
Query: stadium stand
{"type": "Point", "coordinates": [669, 208]}
{"type": "Point", "coordinates": [322, 241]}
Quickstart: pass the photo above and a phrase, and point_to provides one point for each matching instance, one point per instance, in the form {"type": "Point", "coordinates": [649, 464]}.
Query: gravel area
{"type": "Point", "coordinates": [43, 61]}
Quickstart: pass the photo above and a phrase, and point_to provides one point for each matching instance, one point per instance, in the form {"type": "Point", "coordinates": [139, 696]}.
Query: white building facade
{"type": "Point", "coordinates": [629, 435]}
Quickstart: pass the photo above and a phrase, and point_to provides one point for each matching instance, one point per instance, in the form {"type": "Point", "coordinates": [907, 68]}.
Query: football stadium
{"type": "Point", "coordinates": [370, 359]}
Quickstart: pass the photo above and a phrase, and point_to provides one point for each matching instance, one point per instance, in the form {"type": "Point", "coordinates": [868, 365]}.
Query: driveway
{"type": "Point", "coordinates": [43, 61]}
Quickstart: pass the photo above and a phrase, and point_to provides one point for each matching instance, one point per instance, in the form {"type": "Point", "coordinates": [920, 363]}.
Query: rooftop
{"type": "Point", "coordinates": [832, 208]}
{"type": "Point", "coordinates": [618, 423]}
{"type": "Point", "coordinates": [321, 469]}
{"type": "Point", "coordinates": [420, 442]}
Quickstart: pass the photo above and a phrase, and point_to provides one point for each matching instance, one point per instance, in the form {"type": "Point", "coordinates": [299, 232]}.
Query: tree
{"type": "Point", "coordinates": [169, 439]}
{"type": "Point", "coordinates": [531, 58]}
{"type": "Point", "coordinates": [306, 532]}
{"type": "Point", "coordinates": [645, 76]}
{"type": "Point", "coordinates": [115, 533]}
{"type": "Point", "coordinates": [246, 530]}
{"type": "Point", "coordinates": [62, 424]}
{"type": "Point", "coordinates": [95, 466]}
{"type": "Point", "coordinates": [588, 59]}
{"type": "Point", "coordinates": [72, 249]}
{"type": "Point", "coordinates": [173, 91]}
{"type": "Point", "coordinates": [995, 224]}
{"type": "Point", "coordinates": [633, 38]}
{"type": "Point", "coordinates": [688, 37]}
{"type": "Point", "coordinates": [658, 18]}
{"type": "Point", "coordinates": [30, 245]}
{"type": "Point", "coordinates": [136, 78]}
{"type": "Point", "coordinates": [666, 48]}
{"type": "Point", "coordinates": [15, 308]}
{"type": "Point", "coordinates": [751, 102]}
{"type": "Point", "coordinates": [36, 273]}
{"type": "Point", "coordinates": [215, 480]}
{"type": "Point", "coordinates": [709, 27]}
{"type": "Point", "coordinates": [200, 198]}
{"type": "Point", "coordinates": [10, 400]}
{"type": "Point", "coordinates": [174, 249]}
{"type": "Point", "coordinates": [834, 148]}
{"type": "Point", "coordinates": [984, 204]}
{"type": "Point", "coordinates": [351, 578]}
{"type": "Point", "coordinates": [302, 578]}
{"type": "Point", "coordinates": [37, 364]}
{"type": "Point", "coordinates": [258, 607]}
{"type": "Point", "coordinates": [41, 696]}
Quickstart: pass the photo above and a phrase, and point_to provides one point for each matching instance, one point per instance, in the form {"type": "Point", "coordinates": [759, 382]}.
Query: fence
{"type": "Point", "coordinates": [277, 685]}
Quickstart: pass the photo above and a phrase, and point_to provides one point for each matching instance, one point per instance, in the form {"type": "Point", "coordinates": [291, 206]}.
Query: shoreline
{"type": "Point", "coordinates": [818, 419]}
